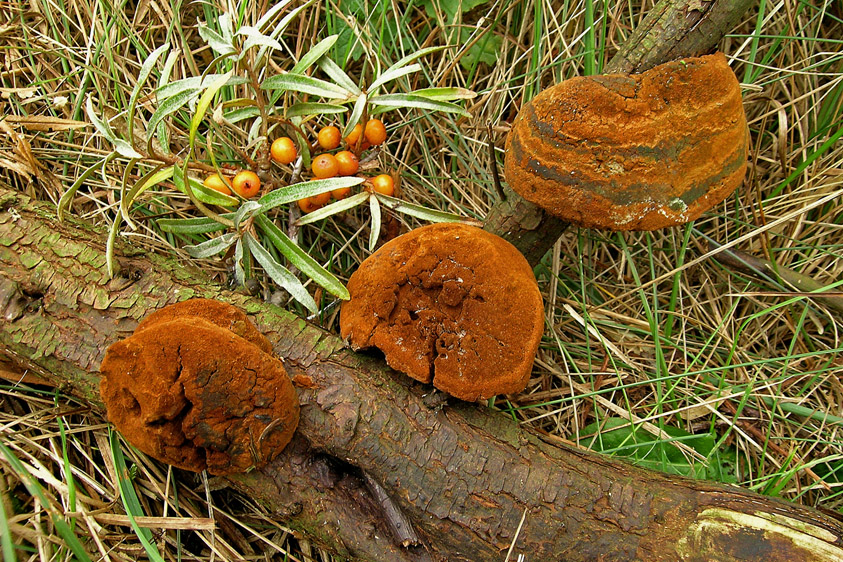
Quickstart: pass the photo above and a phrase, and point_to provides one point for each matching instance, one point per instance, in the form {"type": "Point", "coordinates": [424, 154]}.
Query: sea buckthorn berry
{"type": "Point", "coordinates": [246, 184]}
{"type": "Point", "coordinates": [348, 163]}
{"type": "Point", "coordinates": [383, 184]}
{"type": "Point", "coordinates": [341, 193]}
{"type": "Point", "coordinates": [283, 150]}
{"type": "Point", "coordinates": [321, 199]}
{"type": "Point", "coordinates": [217, 183]}
{"type": "Point", "coordinates": [329, 137]}
{"type": "Point", "coordinates": [354, 135]}
{"type": "Point", "coordinates": [307, 206]}
{"type": "Point", "coordinates": [325, 166]}
{"type": "Point", "coordinates": [375, 132]}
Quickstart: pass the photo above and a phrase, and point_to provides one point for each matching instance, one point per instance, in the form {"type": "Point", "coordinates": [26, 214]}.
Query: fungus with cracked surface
{"type": "Point", "coordinates": [196, 386]}
{"type": "Point", "coordinates": [448, 304]}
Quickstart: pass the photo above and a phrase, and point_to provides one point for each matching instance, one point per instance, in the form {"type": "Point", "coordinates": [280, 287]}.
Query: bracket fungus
{"type": "Point", "coordinates": [197, 386]}
{"type": "Point", "coordinates": [632, 152]}
{"type": "Point", "coordinates": [448, 304]}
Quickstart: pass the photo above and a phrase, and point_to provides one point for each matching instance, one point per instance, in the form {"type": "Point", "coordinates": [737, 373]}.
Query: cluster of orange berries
{"type": "Point", "coordinates": [343, 163]}
{"type": "Point", "coordinates": [324, 165]}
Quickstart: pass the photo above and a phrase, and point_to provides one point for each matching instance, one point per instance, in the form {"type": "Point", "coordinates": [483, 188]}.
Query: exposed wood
{"type": "Point", "coordinates": [462, 474]}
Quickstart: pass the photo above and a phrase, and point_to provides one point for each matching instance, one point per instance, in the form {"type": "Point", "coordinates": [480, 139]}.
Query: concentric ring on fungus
{"type": "Point", "coordinates": [449, 304]}
{"type": "Point", "coordinates": [196, 395]}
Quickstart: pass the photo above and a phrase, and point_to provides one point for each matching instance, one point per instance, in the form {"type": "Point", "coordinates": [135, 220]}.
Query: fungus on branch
{"type": "Point", "coordinates": [196, 386]}
{"type": "Point", "coordinates": [632, 152]}
{"type": "Point", "coordinates": [448, 304]}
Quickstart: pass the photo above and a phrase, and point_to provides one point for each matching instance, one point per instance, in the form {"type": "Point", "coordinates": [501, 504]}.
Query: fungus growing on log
{"type": "Point", "coordinates": [196, 386]}
{"type": "Point", "coordinates": [448, 304]}
{"type": "Point", "coordinates": [632, 152]}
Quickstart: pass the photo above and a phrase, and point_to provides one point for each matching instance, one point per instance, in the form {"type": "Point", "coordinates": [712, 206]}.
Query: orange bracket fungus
{"type": "Point", "coordinates": [197, 386]}
{"type": "Point", "coordinates": [449, 304]}
{"type": "Point", "coordinates": [632, 152]}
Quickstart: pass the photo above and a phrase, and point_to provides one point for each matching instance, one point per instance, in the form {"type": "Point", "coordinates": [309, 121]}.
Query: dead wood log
{"type": "Point", "coordinates": [463, 475]}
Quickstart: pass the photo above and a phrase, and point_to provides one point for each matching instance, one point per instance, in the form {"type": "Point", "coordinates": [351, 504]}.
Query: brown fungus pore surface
{"type": "Point", "coordinates": [632, 152]}
{"type": "Point", "coordinates": [196, 395]}
{"type": "Point", "coordinates": [449, 304]}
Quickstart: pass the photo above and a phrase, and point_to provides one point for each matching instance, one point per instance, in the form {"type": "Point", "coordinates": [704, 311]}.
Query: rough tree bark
{"type": "Point", "coordinates": [672, 29]}
{"type": "Point", "coordinates": [462, 474]}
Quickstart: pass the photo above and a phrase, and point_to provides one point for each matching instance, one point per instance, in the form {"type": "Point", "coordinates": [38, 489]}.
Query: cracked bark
{"type": "Point", "coordinates": [671, 30]}
{"type": "Point", "coordinates": [463, 475]}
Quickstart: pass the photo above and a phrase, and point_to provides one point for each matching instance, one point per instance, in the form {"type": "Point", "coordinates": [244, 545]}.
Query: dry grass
{"type": "Point", "coordinates": [722, 373]}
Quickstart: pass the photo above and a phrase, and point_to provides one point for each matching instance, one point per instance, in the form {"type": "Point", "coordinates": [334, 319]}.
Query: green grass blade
{"type": "Point", "coordinates": [130, 499]}
{"type": "Point", "coordinates": [302, 259]}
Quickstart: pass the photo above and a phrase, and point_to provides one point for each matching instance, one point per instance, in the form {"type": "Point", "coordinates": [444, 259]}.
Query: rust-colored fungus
{"type": "Point", "coordinates": [632, 152]}
{"type": "Point", "coordinates": [197, 395]}
{"type": "Point", "coordinates": [449, 304]}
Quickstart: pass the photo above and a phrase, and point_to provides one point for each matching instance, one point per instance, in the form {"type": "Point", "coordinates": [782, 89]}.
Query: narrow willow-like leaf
{"type": "Point", "coordinates": [202, 193]}
{"type": "Point", "coordinates": [314, 108]}
{"type": "Point", "coordinates": [171, 105]}
{"type": "Point", "coordinates": [267, 17]}
{"type": "Point", "coordinates": [123, 148]}
{"type": "Point", "coordinates": [338, 75]}
{"type": "Point", "coordinates": [392, 74]}
{"type": "Point", "coordinates": [204, 102]}
{"type": "Point", "coordinates": [131, 503]}
{"type": "Point", "coordinates": [302, 259]}
{"type": "Point", "coordinates": [143, 75]}
{"type": "Point", "coordinates": [375, 232]}
{"type": "Point", "coordinates": [246, 210]}
{"type": "Point", "coordinates": [254, 38]}
{"type": "Point", "coordinates": [416, 56]}
{"type": "Point", "coordinates": [356, 114]}
{"type": "Point", "coordinates": [67, 196]}
{"type": "Point", "coordinates": [445, 94]}
{"type": "Point", "coordinates": [239, 272]}
{"type": "Point", "coordinates": [417, 102]}
{"type": "Point", "coordinates": [424, 213]}
{"type": "Point", "coordinates": [334, 208]}
{"type": "Point", "coordinates": [280, 274]}
{"type": "Point", "coordinates": [301, 190]}
{"type": "Point", "coordinates": [195, 83]}
{"type": "Point", "coordinates": [282, 25]}
{"type": "Point", "coordinates": [314, 54]}
{"type": "Point", "coordinates": [150, 179]}
{"type": "Point", "coordinates": [241, 114]}
{"type": "Point", "coordinates": [212, 247]}
{"type": "Point", "coordinates": [198, 225]}
{"type": "Point", "coordinates": [34, 489]}
{"type": "Point", "coordinates": [98, 123]}
{"type": "Point", "coordinates": [215, 40]}
{"type": "Point", "coordinates": [305, 85]}
{"type": "Point", "coordinates": [109, 245]}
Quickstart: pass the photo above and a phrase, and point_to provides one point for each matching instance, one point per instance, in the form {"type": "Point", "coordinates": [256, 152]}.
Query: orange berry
{"type": "Point", "coordinates": [307, 206]}
{"type": "Point", "coordinates": [329, 137]}
{"type": "Point", "coordinates": [283, 150]}
{"type": "Point", "coordinates": [217, 183]}
{"type": "Point", "coordinates": [375, 132]}
{"type": "Point", "coordinates": [348, 163]}
{"type": "Point", "coordinates": [341, 193]}
{"type": "Point", "coordinates": [354, 135]}
{"type": "Point", "coordinates": [246, 184]}
{"type": "Point", "coordinates": [321, 200]}
{"type": "Point", "coordinates": [325, 166]}
{"type": "Point", "coordinates": [383, 184]}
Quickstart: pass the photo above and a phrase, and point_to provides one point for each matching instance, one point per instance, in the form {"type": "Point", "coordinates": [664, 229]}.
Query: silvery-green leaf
{"type": "Point", "coordinates": [280, 274]}
{"type": "Point", "coordinates": [199, 225]}
{"type": "Point", "coordinates": [282, 25]}
{"type": "Point", "coordinates": [204, 194]}
{"type": "Point", "coordinates": [375, 232]}
{"type": "Point", "coordinates": [171, 105]}
{"type": "Point", "coordinates": [417, 102]}
{"type": "Point", "coordinates": [123, 148]}
{"type": "Point", "coordinates": [215, 40]}
{"type": "Point", "coordinates": [445, 94]}
{"type": "Point", "coordinates": [314, 108]}
{"type": "Point", "coordinates": [255, 37]}
{"type": "Point", "coordinates": [98, 123]}
{"type": "Point", "coordinates": [204, 102]}
{"type": "Point", "coordinates": [338, 75]}
{"type": "Point", "coordinates": [420, 212]}
{"type": "Point", "coordinates": [195, 83]}
{"type": "Point", "coordinates": [239, 272]}
{"type": "Point", "coordinates": [212, 247]}
{"type": "Point", "coordinates": [334, 208]}
{"type": "Point", "coordinates": [356, 114]}
{"type": "Point", "coordinates": [305, 85]}
{"type": "Point", "coordinates": [297, 191]}
{"type": "Point", "coordinates": [143, 75]}
{"type": "Point", "coordinates": [67, 196]}
{"type": "Point", "coordinates": [267, 17]}
{"type": "Point", "coordinates": [302, 259]}
{"type": "Point", "coordinates": [314, 54]}
{"type": "Point", "coordinates": [392, 74]}
{"type": "Point", "coordinates": [245, 211]}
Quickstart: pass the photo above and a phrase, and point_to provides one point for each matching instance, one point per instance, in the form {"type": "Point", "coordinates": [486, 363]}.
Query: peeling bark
{"type": "Point", "coordinates": [463, 475]}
